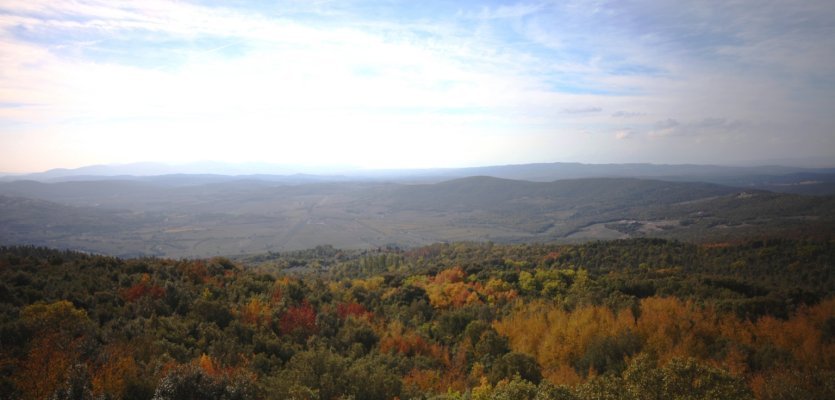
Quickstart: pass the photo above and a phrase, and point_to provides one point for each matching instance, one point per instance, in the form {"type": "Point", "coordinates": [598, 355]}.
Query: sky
{"type": "Point", "coordinates": [415, 84]}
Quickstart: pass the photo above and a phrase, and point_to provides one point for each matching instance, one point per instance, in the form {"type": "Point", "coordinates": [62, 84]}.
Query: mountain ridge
{"type": "Point", "coordinates": [769, 177]}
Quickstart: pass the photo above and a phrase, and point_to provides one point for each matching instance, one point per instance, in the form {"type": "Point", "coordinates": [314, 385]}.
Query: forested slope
{"type": "Point", "coordinates": [625, 319]}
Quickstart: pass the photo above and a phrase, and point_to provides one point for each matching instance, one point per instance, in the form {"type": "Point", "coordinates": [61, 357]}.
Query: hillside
{"type": "Point", "coordinates": [447, 321]}
{"type": "Point", "coordinates": [183, 218]}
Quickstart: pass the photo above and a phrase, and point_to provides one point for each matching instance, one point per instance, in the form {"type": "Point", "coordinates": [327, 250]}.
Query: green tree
{"type": "Point", "coordinates": [515, 364]}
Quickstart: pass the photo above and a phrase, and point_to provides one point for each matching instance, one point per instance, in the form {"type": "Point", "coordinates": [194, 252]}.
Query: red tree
{"type": "Point", "coordinates": [299, 320]}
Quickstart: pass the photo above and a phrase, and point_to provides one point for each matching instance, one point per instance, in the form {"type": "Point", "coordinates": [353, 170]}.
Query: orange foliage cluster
{"type": "Point", "coordinates": [424, 381]}
{"type": "Point", "coordinates": [58, 335]}
{"type": "Point", "coordinates": [352, 309]}
{"type": "Point", "coordinates": [277, 295]}
{"type": "Point", "coordinates": [410, 343]}
{"type": "Point", "coordinates": [195, 271]}
{"type": "Point", "coordinates": [279, 288]}
{"type": "Point", "coordinates": [433, 381]}
{"type": "Point", "coordinates": [498, 291]}
{"type": "Point", "coordinates": [110, 377]}
{"type": "Point", "coordinates": [453, 295]}
{"type": "Point", "coordinates": [299, 320]}
{"type": "Point", "coordinates": [212, 367]}
{"type": "Point", "coordinates": [256, 312]}
{"type": "Point", "coordinates": [46, 366]}
{"type": "Point", "coordinates": [452, 377]}
{"type": "Point", "coordinates": [447, 276]}
{"type": "Point", "coordinates": [670, 328]}
{"type": "Point", "coordinates": [551, 257]}
{"type": "Point", "coordinates": [449, 289]}
{"type": "Point", "coordinates": [142, 289]}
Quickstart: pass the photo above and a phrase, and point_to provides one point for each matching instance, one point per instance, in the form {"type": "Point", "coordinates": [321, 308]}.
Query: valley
{"type": "Point", "coordinates": [192, 218]}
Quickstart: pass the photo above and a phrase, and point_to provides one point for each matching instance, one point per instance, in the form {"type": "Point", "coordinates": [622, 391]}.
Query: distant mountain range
{"type": "Point", "coordinates": [145, 169]}
{"type": "Point", "coordinates": [818, 181]}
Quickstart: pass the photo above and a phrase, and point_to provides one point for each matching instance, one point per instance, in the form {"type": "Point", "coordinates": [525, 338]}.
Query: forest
{"type": "Point", "coordinates": [623, 319]}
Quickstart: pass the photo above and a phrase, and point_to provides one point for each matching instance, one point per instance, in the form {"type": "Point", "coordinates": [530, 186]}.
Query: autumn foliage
{"type": "Point", "coordinates": [144, 288]}
{"type": "Point", "coordinates": [397, 339]}
{"type": "Point", "coordinates": [573, 345]}
{"type": "Point", "coordinates": [634, 320]}
{"type": "Point", "coordinates": [299, 321]}
{"type": "Point", "coordinates": [59, 330]}
{"type": "Point", "coordinates": [352, 309]}
{"type": "Point", "coordinates": [256, 312]}
{"type": "Point", "coordinates": [114, 370]}
{"type": "Point", "coordinates": [450, 289]}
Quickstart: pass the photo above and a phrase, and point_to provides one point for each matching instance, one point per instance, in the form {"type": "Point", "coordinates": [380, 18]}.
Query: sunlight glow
{"type": "Point", "coordinates": [178, 81]}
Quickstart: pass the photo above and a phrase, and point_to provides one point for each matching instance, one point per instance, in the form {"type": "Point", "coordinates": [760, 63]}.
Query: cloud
{"type": "Point", "coordinates": [344, 73]}
{"type": "Point", "coordinates": [288, 80]}
{"type": "Point", "coordinates": [582, 110]}
{"type": "Point", "coordinates": [712, 125]}
{"type": "Point", "coordinates": [503, 11]}
{"type": "Point", "coordinates": [624, 134]}
{"type": "Point", "coordinates": [667, 124]}
{"type": "Point", "coordinates": [627, 114]}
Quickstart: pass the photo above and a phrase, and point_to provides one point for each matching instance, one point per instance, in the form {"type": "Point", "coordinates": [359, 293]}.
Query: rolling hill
{"type": "Point", "coordinates": [189, 218]}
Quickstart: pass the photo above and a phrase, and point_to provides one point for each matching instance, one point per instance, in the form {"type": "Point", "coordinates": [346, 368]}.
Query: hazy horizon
{"type": "Point", "coordinates": [396, 85]}
{"type": "Point", "coordinates": [251, 168]}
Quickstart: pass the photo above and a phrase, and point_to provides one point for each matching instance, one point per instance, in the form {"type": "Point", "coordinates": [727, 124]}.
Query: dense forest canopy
{"type": "Point", "coordinates": [644, 318]}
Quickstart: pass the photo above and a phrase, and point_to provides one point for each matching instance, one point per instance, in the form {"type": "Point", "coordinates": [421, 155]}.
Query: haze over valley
{"type": "Point", "coordinates": [201, 215]}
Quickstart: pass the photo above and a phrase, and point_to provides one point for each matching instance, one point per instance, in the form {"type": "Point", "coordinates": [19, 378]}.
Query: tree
{"type": "Point", "coordinates": [299, 321]}
{"type": "Point", "coordinates": [516, 364]}
{"type": "Point", "coordinates": [192, 382]}
{"type": "Point", "coordinates": [58, 331]}
{"type": "Point", "coordinates": [319, 372]}
{"type": "Point", "coordinates": [77, 385]}
{"type": "Point", "coordinates": [684, 379]}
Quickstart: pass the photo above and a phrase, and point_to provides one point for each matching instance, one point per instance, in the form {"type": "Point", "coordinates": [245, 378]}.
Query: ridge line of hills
{"type": "Point", "coordinates": [200, 219]}
{"type": "Point", "coordinates": [769, 177]}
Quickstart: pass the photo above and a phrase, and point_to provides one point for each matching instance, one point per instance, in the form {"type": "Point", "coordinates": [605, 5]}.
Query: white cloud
{"type": "Point", "coordinates": [706, 126]}
{"type": "Point", "coordinates": [504, 11]}
{"type": "Point", "coordinates": [624, 134]}
{"type": "Point", "coordinates": [582, 110]}
{"type": "Point", "coordinates": [155, 73]}
{"type": "Point", "coordinates": [627, 114]}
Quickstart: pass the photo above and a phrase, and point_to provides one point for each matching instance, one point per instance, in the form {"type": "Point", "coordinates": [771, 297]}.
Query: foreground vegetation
{"type": "Point", "coordinates": [637, 319]}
